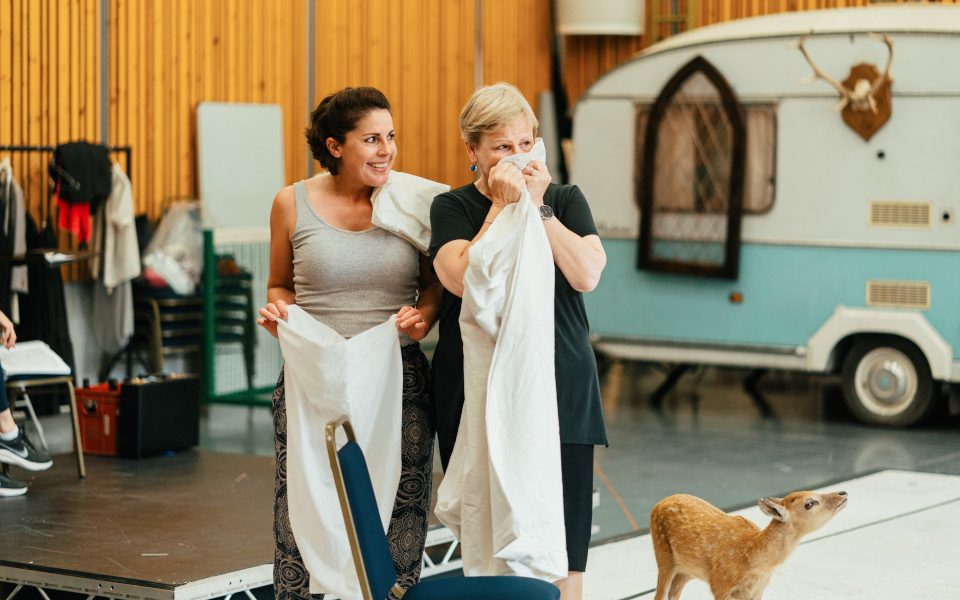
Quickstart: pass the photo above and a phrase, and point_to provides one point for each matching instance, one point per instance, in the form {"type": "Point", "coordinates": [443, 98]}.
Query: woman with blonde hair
{"type": "Point", "coordinates": [496, 122]}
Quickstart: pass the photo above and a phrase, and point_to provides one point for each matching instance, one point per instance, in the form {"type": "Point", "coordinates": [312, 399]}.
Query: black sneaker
{"type": "Point", "coordinates": [21, 453]}
{"type": "Point", "coordinates": [11, 487]}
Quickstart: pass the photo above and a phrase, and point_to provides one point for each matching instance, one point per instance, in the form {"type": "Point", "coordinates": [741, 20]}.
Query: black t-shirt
{"type": "Point", "coordinates": [459, 215]}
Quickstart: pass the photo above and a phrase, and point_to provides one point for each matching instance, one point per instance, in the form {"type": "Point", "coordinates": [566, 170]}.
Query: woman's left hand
{"type": "Point", "coordinates": [410, 322]}
{"type": "Point", "coordinates": [538, 178]}
{"type": "Point", "coordinates": [9, 336]}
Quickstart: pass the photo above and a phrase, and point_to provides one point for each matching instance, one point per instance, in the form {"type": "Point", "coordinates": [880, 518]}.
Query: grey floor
{"type": "Point", "coordinates": [708, 439]}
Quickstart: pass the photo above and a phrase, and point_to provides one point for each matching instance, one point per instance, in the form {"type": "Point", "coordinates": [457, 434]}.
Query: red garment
{"type": "Point", "coordinates": [75, 218]}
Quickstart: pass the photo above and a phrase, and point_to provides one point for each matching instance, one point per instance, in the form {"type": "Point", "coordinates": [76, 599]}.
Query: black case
{"type": "Point", "coordinates": [158, 416]}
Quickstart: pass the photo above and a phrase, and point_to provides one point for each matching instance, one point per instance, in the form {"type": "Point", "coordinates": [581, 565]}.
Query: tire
{"type": "Point", "coordinates": [887, 381]}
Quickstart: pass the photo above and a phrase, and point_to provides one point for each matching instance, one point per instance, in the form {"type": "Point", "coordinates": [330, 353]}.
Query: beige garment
{"type": "Point", "coordinates": [117, 230]}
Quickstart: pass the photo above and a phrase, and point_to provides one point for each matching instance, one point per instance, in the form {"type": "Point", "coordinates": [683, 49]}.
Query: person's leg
{"type": "Point", "coordinates": [571, 587]}
{"type": "Point", "coordinates": [6, 417]}
{"type": "Point", "coordinates": [15, 448]}
{"type": "Point", "coordinates": [8, 433]}
{"type": "Point", "coordinates": [576, 465]}
{"type": "Point", "coordinates": [407, 532]}
{"type": "Point", "coordinates": [291, 581]}
{"type": "Point", "coordinates": [446, 381]}
{"type": "Point", "coordinates": [11, 487]}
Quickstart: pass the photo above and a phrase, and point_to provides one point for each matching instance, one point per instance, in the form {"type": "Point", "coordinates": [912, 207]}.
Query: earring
{"type": "Point", "coordinates": [473, 168]}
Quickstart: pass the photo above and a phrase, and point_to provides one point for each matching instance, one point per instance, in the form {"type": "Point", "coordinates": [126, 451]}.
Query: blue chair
{"type": "Point", "coordinates": [371, 551]}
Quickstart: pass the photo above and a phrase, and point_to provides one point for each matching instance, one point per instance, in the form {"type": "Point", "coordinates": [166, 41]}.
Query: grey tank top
{"type": "Point", "coordinates": [350, 280]}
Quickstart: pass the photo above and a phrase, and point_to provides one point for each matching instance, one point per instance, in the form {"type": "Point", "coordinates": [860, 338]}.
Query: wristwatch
{"type": "Point", "coordinates": [546, 213]}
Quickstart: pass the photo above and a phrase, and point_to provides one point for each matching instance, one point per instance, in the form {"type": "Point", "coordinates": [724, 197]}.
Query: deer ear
{"type": "Point", "coordinates": [773, 508]}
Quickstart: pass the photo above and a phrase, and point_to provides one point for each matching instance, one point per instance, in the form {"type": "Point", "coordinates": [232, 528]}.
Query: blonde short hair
{"type": "Point", "coordinates": [491, 107]}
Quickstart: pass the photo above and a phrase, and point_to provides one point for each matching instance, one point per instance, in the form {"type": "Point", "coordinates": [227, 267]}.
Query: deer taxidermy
{"type": "Point", "coordinates": [865, 96]}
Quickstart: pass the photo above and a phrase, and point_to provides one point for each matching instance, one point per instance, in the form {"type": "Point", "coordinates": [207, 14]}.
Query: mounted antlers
{"type": "Point", "coordinates": [862, 96]}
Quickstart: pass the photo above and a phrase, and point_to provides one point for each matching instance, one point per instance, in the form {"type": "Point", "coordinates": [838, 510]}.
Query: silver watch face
{"type": "Point", "coordinates": [546, 212]}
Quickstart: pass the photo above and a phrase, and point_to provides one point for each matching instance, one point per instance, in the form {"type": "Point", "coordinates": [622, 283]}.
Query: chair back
{"type": "Point", "coordinates": [368, 542]}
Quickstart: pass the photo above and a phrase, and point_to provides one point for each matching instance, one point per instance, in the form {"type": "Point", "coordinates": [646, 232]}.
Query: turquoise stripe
{"type": "Point", "coordinates": [788, 293]}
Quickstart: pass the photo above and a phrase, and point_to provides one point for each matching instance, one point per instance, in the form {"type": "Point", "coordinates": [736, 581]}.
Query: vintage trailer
{"type": "Point", "coordinates": [756, 216]}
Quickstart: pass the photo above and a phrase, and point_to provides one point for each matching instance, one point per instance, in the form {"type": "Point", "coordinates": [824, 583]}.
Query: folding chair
{"type": "Point", "coordinates": [371, 551]}
{"type": "Point", "coordinates": [17, 386]}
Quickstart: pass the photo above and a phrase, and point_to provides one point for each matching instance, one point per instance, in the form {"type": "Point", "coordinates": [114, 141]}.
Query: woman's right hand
{"type": "Point", "coordinates": [506, 183]}
{"type": "Point", "coordinates": [270, 314]}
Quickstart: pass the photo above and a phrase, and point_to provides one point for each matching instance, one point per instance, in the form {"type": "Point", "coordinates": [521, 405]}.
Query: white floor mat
{"type": "Point", "coordinates": [898, 538]}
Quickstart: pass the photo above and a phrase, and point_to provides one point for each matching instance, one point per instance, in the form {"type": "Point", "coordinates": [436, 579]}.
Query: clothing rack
{"type": "Point", "coordinates": [127, 152]}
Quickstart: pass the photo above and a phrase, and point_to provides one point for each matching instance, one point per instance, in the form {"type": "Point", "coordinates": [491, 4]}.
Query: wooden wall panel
{"type": "Point", "coordinates": [420, 53]}
{"type": "Point", "coordinates": [49, 83]}
{"type": "Point", "coordinates": [167, 56]}
{"type": "Point", "coordinates": [516, 45]}
{"type": "Point", "coordinates": [587, 57]}
{"type": "Point", "coordinates": [428, 70]}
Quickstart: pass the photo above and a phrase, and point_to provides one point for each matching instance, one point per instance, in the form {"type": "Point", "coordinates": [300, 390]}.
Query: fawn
{"type": "Point", "coordinates": [693, 538]}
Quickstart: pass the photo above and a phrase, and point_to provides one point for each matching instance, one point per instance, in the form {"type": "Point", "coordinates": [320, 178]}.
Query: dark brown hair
{"type": "Point", "coordinates": [336, 116]}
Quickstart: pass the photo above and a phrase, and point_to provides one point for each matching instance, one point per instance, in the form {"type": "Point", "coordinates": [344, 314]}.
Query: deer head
{"type": "Point", "coordinates": [861, 96]}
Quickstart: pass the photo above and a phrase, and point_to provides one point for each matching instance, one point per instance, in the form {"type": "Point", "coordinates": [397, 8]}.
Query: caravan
{"type": "Point", "coordinates": [783, 192]}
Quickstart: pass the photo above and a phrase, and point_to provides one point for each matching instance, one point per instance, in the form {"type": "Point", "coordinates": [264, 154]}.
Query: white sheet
{"type": "Point", "coordinates": [32, 358]}
{"type": "Point", "coordinates": [402, 207]}
{"type": "Point", "coordinates": [502, 494]}
{"type": "Point", "coordinates": [538, 152]}
{"type": "Point", "coordinates": [327, 377]}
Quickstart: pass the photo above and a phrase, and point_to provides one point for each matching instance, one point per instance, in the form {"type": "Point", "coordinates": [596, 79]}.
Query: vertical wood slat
{"type": "Point", "coordinates": [49, 86]}
{"type": "Point", "coordinates": [517, 45]}
{"type": "Point", "coordinates": [186, 52]}
{"type": "Point", "coordinates": [163, 58]}
{"type": "Point", "coordinates": [404, 49]}
{"type": "Point", "coordinates": [6, 70]}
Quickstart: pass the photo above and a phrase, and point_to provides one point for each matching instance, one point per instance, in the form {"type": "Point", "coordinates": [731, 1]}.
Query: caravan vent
{"type": "Point", "coordinates": [900, 214]}
{"type": "Point", "coordinates": [899, 294]}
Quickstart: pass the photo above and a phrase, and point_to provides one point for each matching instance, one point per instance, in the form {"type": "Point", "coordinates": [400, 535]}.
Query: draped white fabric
{"type": "Point", "coordinates": [402, 207]}
{"type": "Point", "coordinates": [326, 377]}
{"type": "Point", "coordinates": [502, 494]}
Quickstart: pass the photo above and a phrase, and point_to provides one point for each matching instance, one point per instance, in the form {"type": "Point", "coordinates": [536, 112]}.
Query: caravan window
{"type": "Point", "coordinates": [691, 187]}
{"type": "Point", "coordinates": [761, 159]}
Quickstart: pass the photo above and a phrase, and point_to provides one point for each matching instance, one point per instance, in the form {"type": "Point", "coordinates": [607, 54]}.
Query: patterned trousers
{"type": "Point", "coordinates": [408, 523]}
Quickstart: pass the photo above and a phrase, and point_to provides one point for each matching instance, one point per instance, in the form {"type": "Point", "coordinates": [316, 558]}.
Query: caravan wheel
{"type": "Point", "coordinates": [887, 381]}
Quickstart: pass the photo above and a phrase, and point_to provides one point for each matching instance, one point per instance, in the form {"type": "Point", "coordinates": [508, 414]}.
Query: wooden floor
{"type": "Point", "coordinates": [163, 522]}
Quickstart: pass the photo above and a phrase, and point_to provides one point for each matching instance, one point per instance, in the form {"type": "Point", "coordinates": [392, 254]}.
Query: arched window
{"type": "Point", "coordinates": [691, 184]}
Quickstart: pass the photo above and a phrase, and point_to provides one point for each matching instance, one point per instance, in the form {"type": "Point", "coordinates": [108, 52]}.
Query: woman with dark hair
{"type": "Point", "coordinates": [327, 257]}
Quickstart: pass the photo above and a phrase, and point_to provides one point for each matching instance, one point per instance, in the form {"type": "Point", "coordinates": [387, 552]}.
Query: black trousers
{"type": "Point", "coordinates": [4, 402]}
